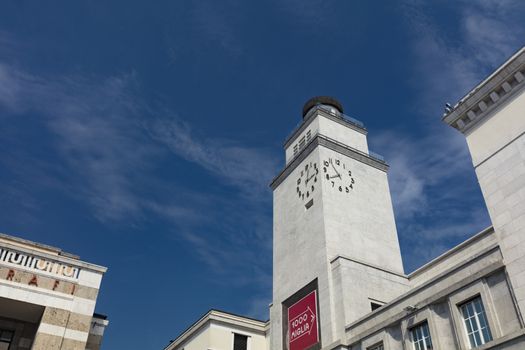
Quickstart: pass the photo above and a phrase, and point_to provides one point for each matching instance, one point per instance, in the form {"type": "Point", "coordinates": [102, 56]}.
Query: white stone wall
{"type": "Point", "coordinates": [345, 135]}
{"type": "Point", "coordinates": [299, 251]}
{"type": "Point", "coordinates": [221, 337]}
{"type": "Point", "coordinates": [359, 224]}
{"type": "Point", "coordinates": [437, 302]}
{"type": "Point", "coordinates": [497, 146]}
{"type": "Point", "coordinates": [201, 340]}
{"type": "Point", "coordinates": [359, 285]}
{"type": "Point", "coordinates": [453, 257]}
{"type": "Point", "coordinates": [320, 123]}
{"type": "Point", "coordinates": [313, 128]}
{"type": "Point", "coordinates": [505, 124]}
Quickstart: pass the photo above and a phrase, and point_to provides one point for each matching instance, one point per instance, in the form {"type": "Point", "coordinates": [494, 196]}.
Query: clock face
{"type": "Point", "coordinates": [338, 175]}
{"type": "Point", "coordinates": [307, 180]}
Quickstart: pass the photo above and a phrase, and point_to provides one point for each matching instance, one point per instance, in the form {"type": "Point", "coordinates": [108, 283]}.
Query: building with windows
{"type": "Point", "coordinates": [222, 330]}
{"type": "Point", "coordinates": [338, 278]}
{"type": "Point", "coordinates": [47, 298]}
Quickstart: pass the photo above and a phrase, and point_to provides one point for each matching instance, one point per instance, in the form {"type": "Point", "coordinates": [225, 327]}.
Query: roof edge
{"type": "Point", "coordinates": [488, 94]}
{"type": "Point", "coordinates": [214, 315]}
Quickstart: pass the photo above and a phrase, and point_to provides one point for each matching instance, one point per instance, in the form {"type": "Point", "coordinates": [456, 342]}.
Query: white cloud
{"type": "Point", "coordinates": [436, 199]}
{"type": "Point", "coordinates": [418, 165]}
{"type": "Point", "coordinates": [449, 65]}
{"type": "Point", "coordinates": [249, 169]}
{"type": "Point", "coordinates": [106, 151]}
{"type": "Point", "coordinates": [94, 133]}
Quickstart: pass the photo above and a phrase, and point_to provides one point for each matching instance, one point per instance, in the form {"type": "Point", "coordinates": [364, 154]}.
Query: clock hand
{"type": "Point", "coordinates": [338, 175]}
{"type": "Point", "coordinates": [336, 170]}
{"type": "Point", "coordinates": [307, 178]}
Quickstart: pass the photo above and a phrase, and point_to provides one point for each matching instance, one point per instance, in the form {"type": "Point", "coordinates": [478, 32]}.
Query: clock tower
{"type": "Point", "coordinates": [336, 254]}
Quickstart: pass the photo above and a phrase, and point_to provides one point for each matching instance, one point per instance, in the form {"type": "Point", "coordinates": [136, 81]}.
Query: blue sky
{"type": "Point", "coordinates": [143, 135]}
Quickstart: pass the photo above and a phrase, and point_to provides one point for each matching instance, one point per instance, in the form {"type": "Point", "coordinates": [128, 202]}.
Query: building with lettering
{"type": "Point", "coordinates": [47, 298]}
{"type": "Point", "coordinates": [333, 213]}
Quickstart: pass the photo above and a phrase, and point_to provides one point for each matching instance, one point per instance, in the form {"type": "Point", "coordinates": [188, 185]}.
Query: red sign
{"type": "Point", "coordinates": [302, 323]}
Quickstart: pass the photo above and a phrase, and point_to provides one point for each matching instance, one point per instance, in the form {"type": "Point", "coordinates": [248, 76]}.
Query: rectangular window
{"type": "Point", "coordinates": [420, 337]}
{"type": "Point", "coordinates": [476, 324]}
{"type": "Point", "coordinates": [240, 342]}
{"type": "Point", "coordinates": [295, 150]}
{"type": "Point", "coordinates": [302, 142]}
{"type": "Point", "coordinates": [6, 337]}
{"type": "Point", "coordinates": [308, 136]}
{"type": "Point", "coordinates": [377, 347]}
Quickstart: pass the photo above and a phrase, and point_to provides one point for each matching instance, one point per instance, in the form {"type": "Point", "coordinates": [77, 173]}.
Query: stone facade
{"type": "Point", "coordinates": [47, 297]}
{"type": "Point", "coordinates": [342, 242]}
{"type": "Point", "coordinates": [341, 222]}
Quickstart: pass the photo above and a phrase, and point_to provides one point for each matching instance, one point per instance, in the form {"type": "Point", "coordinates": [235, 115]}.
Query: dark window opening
{"type": "Point", "coordinates": [375, 306]}
{"type": "Point", "coordinates": [6, 337]}
{"type": "Point", "coordinates": [377, 347]}
{"type": "Point", "coordinates": [240, 342]}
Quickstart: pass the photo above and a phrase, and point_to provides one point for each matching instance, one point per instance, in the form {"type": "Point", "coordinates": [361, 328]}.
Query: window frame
{"type": "Point", "coordinates": [377, 346]}
{"type": "Point", "coordinates": [377, 339]}
{"type": "Point", "coordinates": [423, 315]}
{"type": "Point", "coordinates": [456, 300]}
{"type": "Point", "coordinates": [302, 142]}
{"type": "Point", "coordinates": [11, 340]}
{"type": "Point", "coordinates": [477, 322]}
{"type": "Point", "coordinates": [412, 330]}
{"type": "Point", "coordinates": [248, 337]}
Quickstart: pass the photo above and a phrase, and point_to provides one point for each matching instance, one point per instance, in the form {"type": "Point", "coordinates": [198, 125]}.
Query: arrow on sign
{"type": "Point", "coordinates": [299, 327]}
{"type": "Point", "coordinates": [312, 319]}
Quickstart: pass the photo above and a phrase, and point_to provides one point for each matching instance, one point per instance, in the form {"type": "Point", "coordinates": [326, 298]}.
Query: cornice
{"type": "Point", "coordinates": [54, 257]}
{"type": "Point", "coordinates": [310, 116]}
{"type": "Point", "coordinates": [321, 140]}
{"type": "Point", "coordinates": [479, 103]}
{"type": "Point", "coordinates": [461, 246]}
{"type": "Point", "coordinates": [393, 311]}
{"type": "Point", "coordinates": [364, 263]}
{"type": "Point", "coordinates": [222, 317]}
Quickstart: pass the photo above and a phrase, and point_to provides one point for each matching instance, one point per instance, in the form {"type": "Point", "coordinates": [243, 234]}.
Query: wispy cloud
{"type": "Point", "coordinates": [435, 195]}
{"type": "Point", "coordinates": [106, 149]}
{"type": "Point", "coordinates": [419, 165]}
{"type": "Point", "coordinates": [214, 23]}
{"type": "Point", "coordinates": [94, 133]}
{"type": "Point", "coordinates": [450, 63]}
{"type": "Point", "coordinates": [249, 169]}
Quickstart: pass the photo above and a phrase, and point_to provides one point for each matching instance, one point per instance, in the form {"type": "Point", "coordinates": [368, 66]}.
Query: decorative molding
{"type": "Point", "coordinates": [393, 311]}
{"type": "Point", "coordinates": [65, 259]}
{"type": "Point", "coordinates": [30, 262]}
{"type": "Point", "coordinates": [321, 140]}
{"type": "Point", "coordinates": [458, 248]}
{"type": "Point", "coordinates": [504, 83]}
{"type": "Point", "coordinates": [372, 266]}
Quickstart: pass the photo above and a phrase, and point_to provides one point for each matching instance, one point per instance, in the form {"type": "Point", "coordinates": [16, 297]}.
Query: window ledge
{"type": "Point", "coordinates": [505, 339]}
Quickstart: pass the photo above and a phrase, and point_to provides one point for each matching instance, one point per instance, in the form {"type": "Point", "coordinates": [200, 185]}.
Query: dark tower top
{"type": "Point", "coordinates": [321, 100]}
